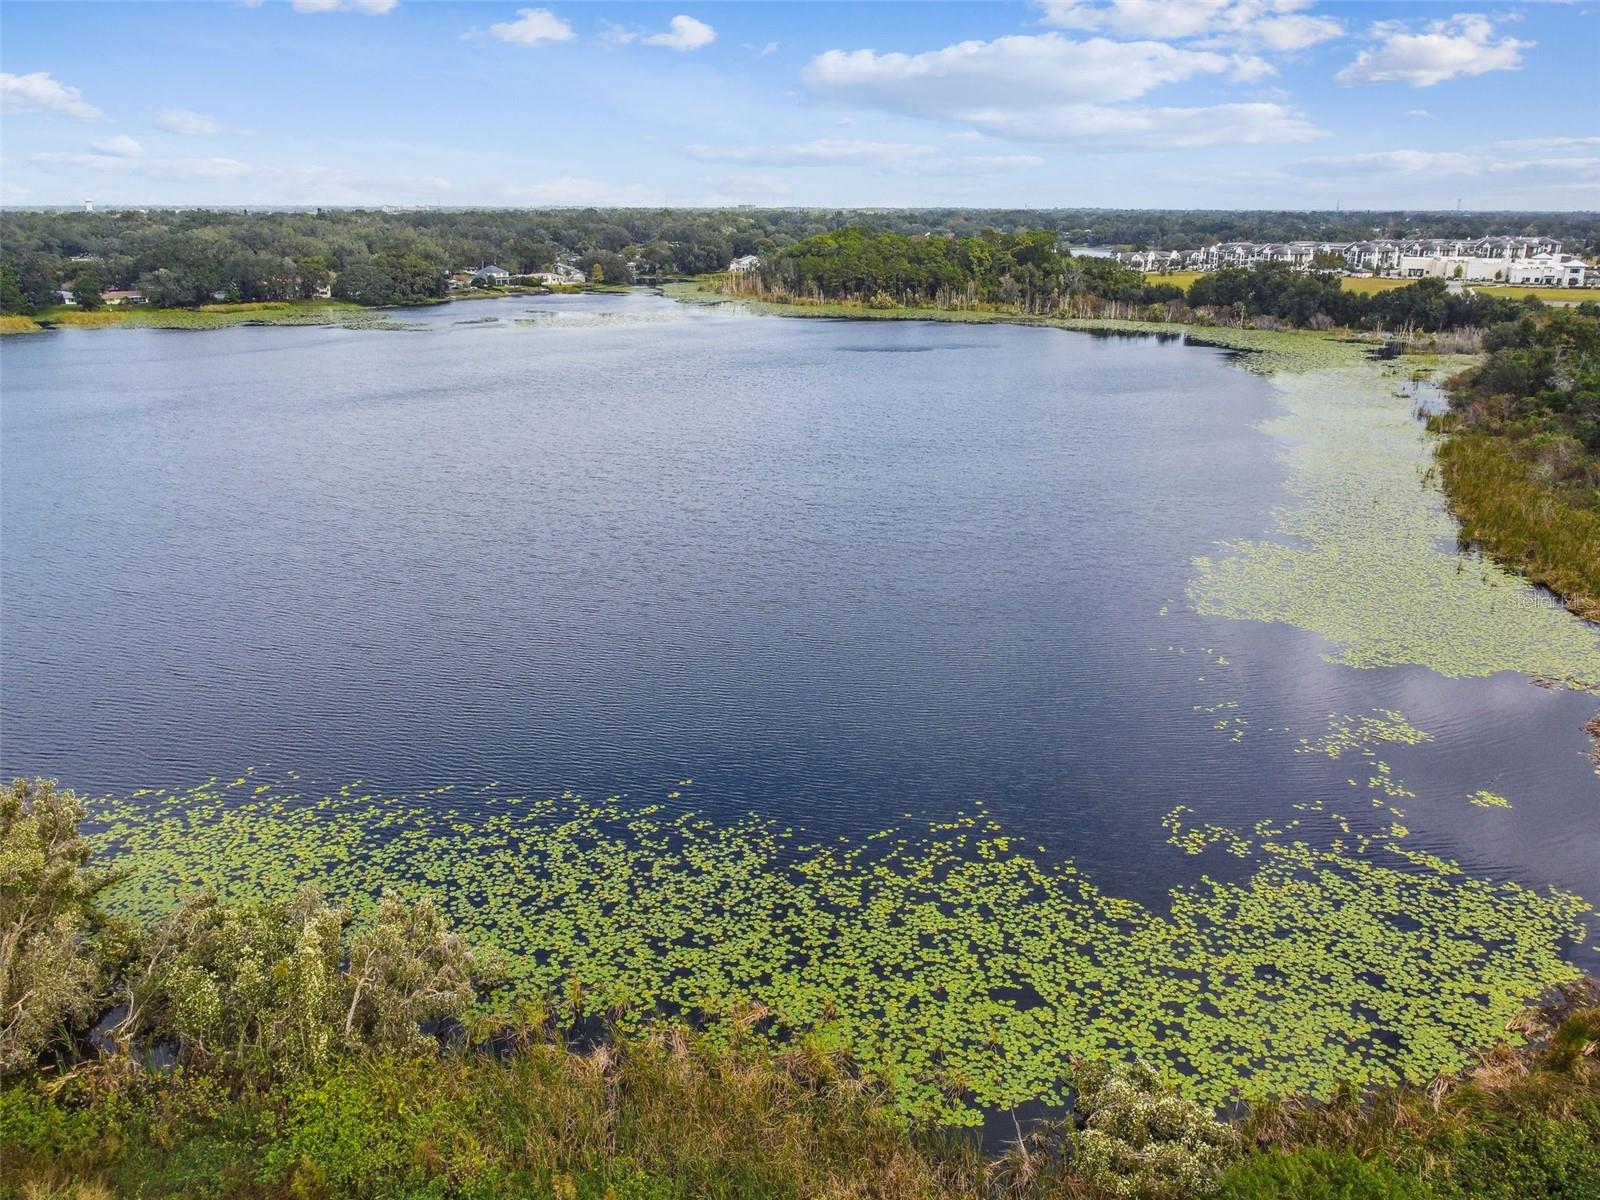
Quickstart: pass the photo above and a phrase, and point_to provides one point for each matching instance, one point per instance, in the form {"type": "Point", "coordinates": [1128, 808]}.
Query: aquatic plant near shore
{"type": "Point", "coordinates": [1364, 556]}
{"type": "Point", "coordinates": [958, 970]}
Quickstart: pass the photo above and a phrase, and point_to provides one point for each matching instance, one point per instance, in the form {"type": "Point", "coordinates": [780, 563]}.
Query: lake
{"type": "Point", "coordinates": [833, 572]}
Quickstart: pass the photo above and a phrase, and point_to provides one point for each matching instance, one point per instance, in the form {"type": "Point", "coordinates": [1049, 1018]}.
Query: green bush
{"type": "Point", "coordinates": [1318, 1174]}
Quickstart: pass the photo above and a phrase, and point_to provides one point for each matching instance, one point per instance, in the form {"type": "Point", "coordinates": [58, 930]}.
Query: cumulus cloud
{"type": "Point", "coordinates": [1022, 71]}
{"type": "Point", "coordinates": [1051, 88]}
{"type": "Point", "coordinates": [1464, 44]}
{"type": "Point", "coordinates": [683, 34]}
{"type": "Point", "coordinates": [122, 146]}
{"type": "Point", "coordinates": [1280, 25]}
{"type": "Point", "coordinates": [187, 122]}
{"type": "Point", "coordinates": [372, 8]}
{"type": "Point", "coordinates": [532, 26]}
{"type": "Point", "coordinates": [41, 93]}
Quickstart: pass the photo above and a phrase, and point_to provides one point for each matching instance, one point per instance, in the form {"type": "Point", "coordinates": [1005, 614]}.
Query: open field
{"type": "Point", "coordinates": [1550, 295]}
{"type": "Point", "coordinates": [1367, 285]}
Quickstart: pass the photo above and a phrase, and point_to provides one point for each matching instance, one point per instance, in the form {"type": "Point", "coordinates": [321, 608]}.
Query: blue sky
{"type": "Point", "coordinates": [1138, 103]}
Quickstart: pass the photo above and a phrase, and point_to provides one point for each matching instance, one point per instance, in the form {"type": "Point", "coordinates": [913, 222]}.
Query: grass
{"type": "Point", "coordinates": [1550, 295]}
{"type": "Point", "coordinates": [18, 324]}
{"type": "Point", "coordinates": [1367, 285]}
{"type": "Point", "coordinates": [213, 316]}
{"type": "Point", "coordinates": [676, 1115]}
{"type": "Point", "coordinates": [1531, 528]}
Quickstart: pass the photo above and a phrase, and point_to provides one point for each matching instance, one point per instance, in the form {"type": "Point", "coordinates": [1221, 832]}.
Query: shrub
{"type": "Point", "coordinates": [1133, 1137]}
{"type": "Point", "coordinates": [1317, 1174]}
{"type": "Point", "coordinates": [53, 971]}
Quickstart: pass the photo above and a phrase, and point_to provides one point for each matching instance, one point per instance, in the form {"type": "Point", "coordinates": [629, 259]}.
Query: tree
{"type": "Point", "coordinates": [86, 288]}
{"type": "Point", "coordinates": [52, 974]}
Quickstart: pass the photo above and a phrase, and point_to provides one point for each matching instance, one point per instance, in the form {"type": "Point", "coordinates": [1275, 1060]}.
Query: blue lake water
{"type": "Point", "coordinates": [834, 572]}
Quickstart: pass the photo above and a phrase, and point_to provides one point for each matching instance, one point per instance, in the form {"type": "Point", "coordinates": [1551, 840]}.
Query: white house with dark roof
{"type": "Point", "coordinates": [493, 275]}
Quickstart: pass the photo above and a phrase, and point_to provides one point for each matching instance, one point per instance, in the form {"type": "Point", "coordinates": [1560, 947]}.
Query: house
{"type": "Point", "coordinates": [561, 275]}
{"type": "Point", "coordinates": [119, 296]}
{"type": "Point", "coordinates": [66, 296]}
{"type": "Point", "coordinates": [745, 262]}
{"type": "Point", "coordinates": [491, 275]}
{"type": "Point", "coordinates": [1548, 270]}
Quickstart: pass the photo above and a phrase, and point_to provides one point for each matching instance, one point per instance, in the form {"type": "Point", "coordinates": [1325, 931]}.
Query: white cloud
{"type": "Point", "coordinates": [1050, 88]}
{"type": "Point", "coordinates": [1166, 128]}
{"type": "Point", "coordinates": [372, 8]}
{"type": "Point", "coordinates": [817, 150]}
{"type": "Point", "coordinates": [1548, 143]}
{"type": "Point", "coordinates": [1407, 162]}
{"type": "Point", "coordinates": [1247, 68]}
{"type": "Point", "coordinates": [898, 157]}
{"type": "Point", "coordinates": [908, 157]}
{"type": "Point", "coordinates": [1435, 164]}
{"type": "Point", "coordinates": [1018, 72]}
{"type": "Point", "coordinates": [1418, 112]}
{"type": "Point", "coordinates": [532, 26]}
{"type": "Point", "coordinates": [172, 168]}
{"type": "Point", "coordinates": [122, 146]}
{"type": "Point", "coordinates": [1464, 44]}
{"type": "Point", "coordinates": [1280, 25]}
{"type": "Point", "coordinates": [38, 92]}
{"type": "Point", "coordinates": [187, 122]}
{"type": "Point", "coordinates": [683, 34]}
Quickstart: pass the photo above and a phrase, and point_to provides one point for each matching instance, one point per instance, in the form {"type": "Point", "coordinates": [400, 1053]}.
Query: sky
{"type": "Point", "coordinates": [1052, 103]}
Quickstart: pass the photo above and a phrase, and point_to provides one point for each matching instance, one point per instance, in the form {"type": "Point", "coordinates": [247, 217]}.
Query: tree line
{"type": "Point", "coordinates": [184, 257]}
{"type": "Point", "coordinates": [1033, 273]}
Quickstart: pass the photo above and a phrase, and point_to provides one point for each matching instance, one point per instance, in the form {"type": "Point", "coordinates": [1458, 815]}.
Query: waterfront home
{"type": "Point", "coordinates": [491, 275]}
{"type": "Point", "coordinates": [745, 262]}
{"type": "Point", "coordinates": [120, 296]}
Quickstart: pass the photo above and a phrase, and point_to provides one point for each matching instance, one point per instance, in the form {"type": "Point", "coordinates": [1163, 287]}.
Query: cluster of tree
{"type": "Point", "coordinates": [1520, 461]}
{"type": "Point", "coordinates": [255, 989]}
{"type": "Point", "coordinates": [188, 256]}
{"type": "Point", "coordinates": [1032, 272]}
{"type": "Point", "coordinates": [1541, 379]}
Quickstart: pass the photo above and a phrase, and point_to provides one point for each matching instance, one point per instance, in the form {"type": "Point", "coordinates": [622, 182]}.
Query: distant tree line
{"type": "Point", "coordinates": [184, 257]}
{"type": "Point", "coordinates": [1032, 273]}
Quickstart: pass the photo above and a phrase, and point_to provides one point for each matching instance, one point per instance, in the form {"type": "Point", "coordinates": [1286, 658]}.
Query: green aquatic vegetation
{"type": "Point", "coordinates": [1347, 734]}
{"type": "Point", "coordinates": [959, 969]}
{"type": "Point", "coordinates": [1484, 798]}
{"type": "Point", "coordinates": [1364, 554]}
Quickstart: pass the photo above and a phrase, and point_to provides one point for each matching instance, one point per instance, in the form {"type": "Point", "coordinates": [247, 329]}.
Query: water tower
{"type": "Point", "coordinates": [88, 204]}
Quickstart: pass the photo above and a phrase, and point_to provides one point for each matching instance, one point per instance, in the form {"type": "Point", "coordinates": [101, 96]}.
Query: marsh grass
{"type": "Point", "coordinates": [1533, 529]}
{"type": "Point", "coordinates": [675, 1114]}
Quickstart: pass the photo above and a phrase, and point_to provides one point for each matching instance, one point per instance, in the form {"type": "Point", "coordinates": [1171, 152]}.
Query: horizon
{"type": "Point", "coordinates": [1253, 105]}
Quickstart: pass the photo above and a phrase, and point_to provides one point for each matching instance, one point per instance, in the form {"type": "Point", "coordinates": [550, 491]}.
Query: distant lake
{"type": "Point", "coordinates": [834, 572]}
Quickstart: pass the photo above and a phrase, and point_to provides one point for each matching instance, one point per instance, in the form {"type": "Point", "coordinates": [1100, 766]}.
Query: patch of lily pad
{"type": "Point", "coordinates": [958, 967]}
{"type": "Point", "coordinates": [1365, 555]}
